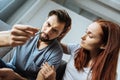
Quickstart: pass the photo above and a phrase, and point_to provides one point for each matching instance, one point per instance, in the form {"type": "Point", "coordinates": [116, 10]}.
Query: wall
{"type": "Point", "coordinates": [98, 8]}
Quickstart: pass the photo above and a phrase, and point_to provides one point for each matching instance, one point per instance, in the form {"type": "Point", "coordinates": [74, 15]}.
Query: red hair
{"type": "Point", "coordinates": [105, 64]}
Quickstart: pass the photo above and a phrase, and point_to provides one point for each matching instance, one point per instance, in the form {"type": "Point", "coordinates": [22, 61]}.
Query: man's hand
{"type": "Point", "coordinates": [47, 72]}
{"type": "Point", "coordinates": [18, 35]}
{"type": "Point", "coordinates": [9, 74]}
{"type": "Point", "coordinates": [21, 33]}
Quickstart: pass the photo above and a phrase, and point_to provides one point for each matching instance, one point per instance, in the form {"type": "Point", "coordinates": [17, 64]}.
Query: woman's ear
{"type": "Point", "coordinates": [102, 46]}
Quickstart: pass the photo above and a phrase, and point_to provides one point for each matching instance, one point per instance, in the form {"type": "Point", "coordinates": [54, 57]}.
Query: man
{"type": "Point", "coordinates": [18, 35]}
{"type": "Point", "coordinates": [43, 47]}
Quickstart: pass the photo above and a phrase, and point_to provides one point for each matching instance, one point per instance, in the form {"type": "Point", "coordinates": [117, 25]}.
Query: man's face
{"type": "Point", "coordinates": [51, 29]}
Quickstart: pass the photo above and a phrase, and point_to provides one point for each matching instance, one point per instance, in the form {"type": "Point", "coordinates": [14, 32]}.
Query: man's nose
{"type": "Point", "coordinates": [48, 31]}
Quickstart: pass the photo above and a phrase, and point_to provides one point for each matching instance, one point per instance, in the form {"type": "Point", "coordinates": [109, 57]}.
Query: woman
{"type": "Point", "coordinates": [97, 55]}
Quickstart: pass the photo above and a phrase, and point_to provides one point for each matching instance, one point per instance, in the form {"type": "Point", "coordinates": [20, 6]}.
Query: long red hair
{"type": "Point", "coordinates": [105, 64]}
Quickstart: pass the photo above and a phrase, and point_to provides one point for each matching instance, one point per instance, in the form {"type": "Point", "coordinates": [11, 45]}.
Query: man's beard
{"type": "Point", "coordinates": [45, 39]}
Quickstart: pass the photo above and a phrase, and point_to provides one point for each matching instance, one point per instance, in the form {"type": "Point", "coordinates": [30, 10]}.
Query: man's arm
{"type": "Point", "coordinates": [4, 38]}
{"type": "Point", "coordinates": [9, 74]}
{"type": "Point", "coordinates": [18, 35]}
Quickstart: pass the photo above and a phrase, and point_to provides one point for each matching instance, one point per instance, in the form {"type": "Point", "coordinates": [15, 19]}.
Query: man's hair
{"type": "Point", "coordinates": [62, 16]}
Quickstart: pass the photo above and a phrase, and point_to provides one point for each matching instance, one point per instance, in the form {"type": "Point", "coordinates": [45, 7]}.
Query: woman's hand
{"type": "Point", "coordinates": [47, 72]}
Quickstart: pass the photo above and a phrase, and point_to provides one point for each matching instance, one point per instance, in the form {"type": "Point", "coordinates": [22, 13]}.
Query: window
{"type": "Point", "coordinates": [112, 3]}
{"type": "Point", "coordinates": [8, 7]}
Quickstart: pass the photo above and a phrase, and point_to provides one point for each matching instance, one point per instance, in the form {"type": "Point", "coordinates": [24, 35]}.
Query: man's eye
{"type": "Point", "coordinates": [55, 31]}
{"type": "Point", "coordinates": [48, 24]}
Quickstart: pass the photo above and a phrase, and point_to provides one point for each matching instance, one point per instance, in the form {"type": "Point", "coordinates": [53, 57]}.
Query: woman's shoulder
{"type": "Point", "coordinates": [72, 47]}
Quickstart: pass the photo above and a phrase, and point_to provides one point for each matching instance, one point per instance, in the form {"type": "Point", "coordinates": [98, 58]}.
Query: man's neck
{"type": "Point", "coordinates": [42, 44]}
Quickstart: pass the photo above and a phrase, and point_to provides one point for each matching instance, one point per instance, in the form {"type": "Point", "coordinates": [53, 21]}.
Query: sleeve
{"type": "Point", "coordinates": [4, 51]}
{"type": "Point", "coordinates": [118, 68]}
{"type": "Point", "coordinates": [72, 48]}
{"type": "Point", "coordinates": [11, 64]}
{"type": "Point", "coordinates": [55, 58]}
{"type": "Point", "coordinates": [12, 61]}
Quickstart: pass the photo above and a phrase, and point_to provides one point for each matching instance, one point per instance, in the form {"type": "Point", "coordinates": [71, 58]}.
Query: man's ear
{"type": "Point", "coordinates": [67, 30]}
{"type": "Point", "coordinates": [62, 35]}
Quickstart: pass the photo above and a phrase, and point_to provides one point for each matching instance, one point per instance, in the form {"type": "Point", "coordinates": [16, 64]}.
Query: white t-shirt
{"type": "Point", "coordinates": [71, 73]}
